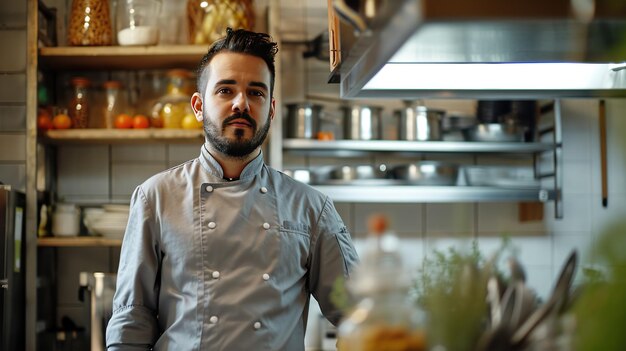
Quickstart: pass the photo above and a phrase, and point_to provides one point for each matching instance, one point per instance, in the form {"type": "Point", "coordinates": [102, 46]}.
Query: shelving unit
{"type": "Point", "coordinates": [78, 241]}
{"type": "Point", "coordinates": [109, 136]}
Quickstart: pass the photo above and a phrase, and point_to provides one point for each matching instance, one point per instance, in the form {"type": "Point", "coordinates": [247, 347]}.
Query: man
{"type": "Point", "coordinates": [223, 252]}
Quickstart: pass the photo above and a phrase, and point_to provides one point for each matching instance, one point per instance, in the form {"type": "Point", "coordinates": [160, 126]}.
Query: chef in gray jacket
{"type": "Point", "coordinates": [223, 252]}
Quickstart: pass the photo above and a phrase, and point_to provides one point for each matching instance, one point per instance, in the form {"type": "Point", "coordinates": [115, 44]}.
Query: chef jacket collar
{"type": "Point", "coordinates": [210, 164]}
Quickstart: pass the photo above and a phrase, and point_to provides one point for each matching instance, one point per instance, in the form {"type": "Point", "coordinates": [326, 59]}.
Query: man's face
{"type": "Point", "coordinates": [236, 107]}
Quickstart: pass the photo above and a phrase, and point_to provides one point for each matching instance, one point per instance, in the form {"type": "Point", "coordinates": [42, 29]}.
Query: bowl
{"type": "Point", "coordinates": [112, 230]}
{"type": "Point", "coordinates": [494, 132]}
{"type": "Point", "coordinates": [427, 173]}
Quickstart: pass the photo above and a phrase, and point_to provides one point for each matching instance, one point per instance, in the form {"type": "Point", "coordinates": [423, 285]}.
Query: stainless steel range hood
{"type": "Point", "coordinates": [488, 49]}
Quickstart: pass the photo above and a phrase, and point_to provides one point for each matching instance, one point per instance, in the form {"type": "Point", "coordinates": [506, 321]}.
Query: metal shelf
{"type": "Point", "coordinates": [432, 194]}
{"type": "Point", "coordinates": [415, 146]}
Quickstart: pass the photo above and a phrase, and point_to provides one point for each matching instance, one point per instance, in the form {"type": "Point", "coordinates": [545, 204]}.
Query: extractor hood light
{"type": "Point", "coordinates": [496, 76]}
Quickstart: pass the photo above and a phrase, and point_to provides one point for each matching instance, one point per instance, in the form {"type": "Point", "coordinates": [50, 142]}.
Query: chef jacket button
{"type": "Point", "coordinates": [263, 189]}
{"type": "Point", "coordinates": [212, 225]}
{"type": "Point", "coordinates": [266, 276]}
{"type": "Point", "coordinates": [266, 225]}
{"type": "Point", "coordinates": [257, 325]}
{"type": "Point", "coordinates": [209, 189]}
{"type": "Point", "coordinates": [213, 319]}
{"type": "Point", "coordinates": [215, 274]}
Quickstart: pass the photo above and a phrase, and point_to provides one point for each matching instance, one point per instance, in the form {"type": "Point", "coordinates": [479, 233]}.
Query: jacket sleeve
{"type": "Point", "coordinates": [333, 257]}
{"type": "Point", "coordinates": [133, 324]}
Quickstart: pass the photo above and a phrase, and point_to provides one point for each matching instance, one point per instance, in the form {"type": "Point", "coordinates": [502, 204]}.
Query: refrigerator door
{"type": "Point", "coordinates": [12, 272]}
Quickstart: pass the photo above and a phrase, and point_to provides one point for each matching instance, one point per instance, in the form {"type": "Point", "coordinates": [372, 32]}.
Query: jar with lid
{"type": "Point", "coordinates": [207, 20]}
{"type": "Point", "coordinates": [115, 103]}
{"type": "Point", "coordinates": [66, 220]}
{"type": "Point", "coordinates": [79, 104]}
{"type": "Point", "coordinates": [384, 317]}
{"type": "Point", "coordinates": [170, 109]}
{"type": "Point", "coordinates": [89, 23]}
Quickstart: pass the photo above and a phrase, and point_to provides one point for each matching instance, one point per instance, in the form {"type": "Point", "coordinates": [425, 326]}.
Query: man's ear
{"type": "Point", "coordinates": [272, 108]}
{"type": "Point", "coordinates": [196, 106]}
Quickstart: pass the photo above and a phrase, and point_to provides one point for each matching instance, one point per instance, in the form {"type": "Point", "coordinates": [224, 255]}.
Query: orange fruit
{"type": "Point", "coordinates": [123, 121]}
{"type": "Point", "coordinates": [44, 120]}
{"type": "Point", "coordinates": [62, 121]}
{"type": "Point", "coordinates": [141, 122]}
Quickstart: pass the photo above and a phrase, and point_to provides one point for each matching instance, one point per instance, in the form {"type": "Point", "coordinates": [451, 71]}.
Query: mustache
{"type": "Point", "coordinates": [245, 116]}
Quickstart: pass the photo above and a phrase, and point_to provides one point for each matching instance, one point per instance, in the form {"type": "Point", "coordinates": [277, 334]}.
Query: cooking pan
{"type": "Point", "coordinates": [303, 120]}
{"type": "Point", "coordinates": [427, 173]}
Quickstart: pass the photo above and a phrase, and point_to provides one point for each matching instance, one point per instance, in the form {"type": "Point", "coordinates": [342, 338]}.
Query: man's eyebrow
{"type": "Point", "coordinates": [226, 81]}
{"type": "Point", "coordinates": [260, 85]}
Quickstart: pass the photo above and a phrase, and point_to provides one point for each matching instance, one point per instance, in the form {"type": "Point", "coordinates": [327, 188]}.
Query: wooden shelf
{"type": "Point", "coordinates": [77, 241]}
{"type": "Point", "coordinates": [121, 57]}
{"type": "Point", "coordinates": [123, 136]}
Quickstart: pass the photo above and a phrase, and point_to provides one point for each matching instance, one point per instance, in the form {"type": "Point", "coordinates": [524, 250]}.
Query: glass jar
{"type": "Point", "coordinates": [384, 317]}
{"type": "Point", "coordinates": [137, 22]}
{"type": "Point", "coordinates": [79, 105]}
{"type": "Point", "coordinates": [89, 23]}
{"type": "Point", "coordinates": [207, 19]}
{"type": "Point", "coordinates": [170, 109]}
{"type": "Point", "coordinates": [115, 103]}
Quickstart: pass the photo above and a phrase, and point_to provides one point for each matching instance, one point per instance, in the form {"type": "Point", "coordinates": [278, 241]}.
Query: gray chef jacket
{"type": "Point", "coordinates": [208, 264]}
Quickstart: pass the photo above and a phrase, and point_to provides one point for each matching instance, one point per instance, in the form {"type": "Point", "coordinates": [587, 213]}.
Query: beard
{"type": "Point", "coordinates": [238, 147]}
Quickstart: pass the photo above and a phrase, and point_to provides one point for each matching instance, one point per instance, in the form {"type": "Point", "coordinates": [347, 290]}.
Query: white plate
{"type": "Point", "coordinates": [107, 230]}
{"type": "Point", "coordinates": [116, 208]}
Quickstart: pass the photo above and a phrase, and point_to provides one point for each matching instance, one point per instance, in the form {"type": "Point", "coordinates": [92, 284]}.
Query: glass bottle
{"type": "Point", "coordinates": [89, 23]}
{"type": "Point", "coordinates": [79, 104]}
{"type": "Point", "coordinates": [115, 103]}
{"type": "Point", "coordinates": [384, 317]}
{"type": "Point", "coordinates": [207, 19]}
{"type": "Point", "coordinates": [169, 109]}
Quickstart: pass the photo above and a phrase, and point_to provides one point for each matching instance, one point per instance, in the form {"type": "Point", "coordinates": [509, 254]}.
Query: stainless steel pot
{"type": "Point", "coordinates": [303, 120]}
{"type": "Point", "coordinates": [417, 122]}
{"type": "Point", "coordinates": [362, 122]}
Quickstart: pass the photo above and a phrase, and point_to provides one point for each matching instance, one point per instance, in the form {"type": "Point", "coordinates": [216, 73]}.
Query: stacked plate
{"type": "Point", "coordinates": [110, 222]}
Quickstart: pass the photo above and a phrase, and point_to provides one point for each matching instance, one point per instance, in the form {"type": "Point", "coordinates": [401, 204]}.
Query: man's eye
{"type": "Point", "coordinates": [257, 93]}
{"type": "Point", "coordinates": [223, 91]}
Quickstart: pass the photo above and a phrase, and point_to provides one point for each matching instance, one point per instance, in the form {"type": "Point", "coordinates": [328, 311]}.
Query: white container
{"type": "Point", "coordinates": [137, 22]}
{"type": "Point", "coordinates": [66, 220]}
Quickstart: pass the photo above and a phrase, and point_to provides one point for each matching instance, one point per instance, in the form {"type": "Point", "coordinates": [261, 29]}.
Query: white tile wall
{"type": "Point", "coordinates": [12, 118]}
{"type": "Point", "coordinates": [13, 87]}
{"type": "Point", "coordinates": [16, 60]}
{"type": "Point", "coordinates": [12, 147]}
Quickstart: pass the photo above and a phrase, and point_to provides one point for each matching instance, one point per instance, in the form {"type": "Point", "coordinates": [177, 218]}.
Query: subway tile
{"type": "Point", "coordinates": [126, 176]}
{"type": "Point", "coordinates": [13, 13]}
{"type": "Point", "coordinates": [16, 41]}
{"type": "Point", "coordinates": [83, 171]}
{"type": "Point", "coordinates": [12, 118]}
{"type": "Point", "coordinates": [456, 219]}
{"type": "Point", "coordinates": [180, 153]}
{"type": "Point", "coordinates": [12, 147]}
{"type": "Point", "coordinates": [13, 88]}
{"type": "Point", "coordinates": [404, 219]}
{"type": "Point", "coordinates": [138, 153]}
{"type": "Point", "coordinates": [502, 219]}
{"type": "Point", "coordinates": [576, 214]}
{"type": "Point", "coordinates": [564, 244]}
{"type": "Point", "coordinates": [72, 261]}
{"type": "Point", "coordinates": [13, 174]}
{"type": "Point", "coordinates": [540, 280]}
{"type": "Point", "coordinates": [576, 177]}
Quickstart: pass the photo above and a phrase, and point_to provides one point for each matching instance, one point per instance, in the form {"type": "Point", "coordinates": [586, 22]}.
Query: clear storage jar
{"type": "Point", "coordinates": [137, 22]}
{"type": "Point", "coordinates": [170, 109]}
{"type": "Point", "coordinates": [89, 23]}
{"type": "Point", "coordinates": [79, 105]}
{"type": "Point", "coordinates": [115, 103]}
{"type": "Point", "coordinates": [207, 20]}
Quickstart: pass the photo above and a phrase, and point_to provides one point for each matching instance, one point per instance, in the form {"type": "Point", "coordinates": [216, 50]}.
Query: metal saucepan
{"type": "Point", "coordinates": [427, 173]}
{"type": "Point", "coordinates": [302, 175]}
{"type": "Point", "coordinates": [362, 122]}
{"type": "Point", "coordinates": [359, 175]}
{"type": "Point", "coordinates": [303, 120]}
{"type": "Point", "coordinates": [416, 122]}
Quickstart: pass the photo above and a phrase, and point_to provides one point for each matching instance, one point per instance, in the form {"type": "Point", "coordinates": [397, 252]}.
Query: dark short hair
{"type": "Point", "coordinates": [244, 42]}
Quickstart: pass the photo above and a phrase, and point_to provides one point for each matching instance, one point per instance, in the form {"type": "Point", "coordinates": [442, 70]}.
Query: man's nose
{"type": "Point", "coordinates": [240, 103]}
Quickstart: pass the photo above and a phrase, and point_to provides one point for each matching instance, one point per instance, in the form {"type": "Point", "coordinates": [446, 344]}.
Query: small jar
{"type": "Point", "coordinates": [89, 23]}
{"type": "Point", "coordinates": [115, 102]}
{"type": "Point", "coordinates": [137, 22]}
{"type": "Point", "coordinates": [66, 220]}
{"type": "Point", "coordinates": [170, 109]}
{"type": "Point", "coordinates": [79, 104]}
{"type": "Point", "coordinates": [207, 20]}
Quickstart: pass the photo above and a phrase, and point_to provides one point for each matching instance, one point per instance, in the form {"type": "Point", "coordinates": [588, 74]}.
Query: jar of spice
{"type": "Point", "coordinates": [208, 19]}
{"type": "Point", "coordinates": [89, 23]}
{"type": "Point", "coordinates": [79, 104]}
{"type": "Point", "coordinates": [115, 102]}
